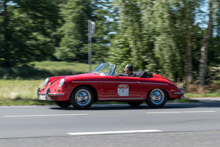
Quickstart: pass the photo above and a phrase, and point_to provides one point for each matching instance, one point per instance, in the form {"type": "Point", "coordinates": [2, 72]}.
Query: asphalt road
{"type": "Point", "coordinates": [176, 124]}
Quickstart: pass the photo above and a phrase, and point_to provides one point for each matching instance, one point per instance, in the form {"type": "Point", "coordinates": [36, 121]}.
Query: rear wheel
{"type": "Point", "coordinates": [156, 98]}
{"type": "Point", "coordinates": [63, 104]}
{"type": "Point", "coordinates": [134, 103]}
{"type": "Point", "coordinates": [82, 97]}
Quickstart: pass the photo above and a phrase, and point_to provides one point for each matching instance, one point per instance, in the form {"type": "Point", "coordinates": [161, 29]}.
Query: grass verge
{"type": "Point", "coordinates": [20, 101]}
{"type": "Point", "coordinates": [25, 89]}
{"type": "Point", "coordinates": [211, 94]}
{"type": "Point", "coordinates": [185, 100]}
{"type": "Point", "coordinates": [42, 70]}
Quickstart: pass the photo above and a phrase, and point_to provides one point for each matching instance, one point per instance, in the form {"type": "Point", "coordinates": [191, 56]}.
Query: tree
{"type": "Point", "coordinates": [74, 32]}
{"type": "Point", "coordinates": [25, 31]}
{"type": "Point", "coordinates": [130, 34]}
{"type": "Point", "coordinates": [204, 48]}
{"type": "Point", "coordinates": [106, 27]}
{"type": "Point", "coordinates": [159, 34]}
{"type": "Point", "coordinates": [76, 14]}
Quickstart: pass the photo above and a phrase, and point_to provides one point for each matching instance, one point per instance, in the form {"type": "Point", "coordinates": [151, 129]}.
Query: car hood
{"type": "Point", "coordinates": [80, 76]}
{"type": "Point", "coordinates": [54, 81]}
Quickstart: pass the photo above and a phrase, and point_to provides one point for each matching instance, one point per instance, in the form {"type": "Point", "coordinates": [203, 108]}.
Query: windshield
{"type": "Point", "coordinates": [105, 68]}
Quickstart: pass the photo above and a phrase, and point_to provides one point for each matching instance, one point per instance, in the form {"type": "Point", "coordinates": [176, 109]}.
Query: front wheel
{"type": "Point", "coordinates": [63, 104]}
{"type": "Point", "coordinates": [156, 98]}
{"type": "Point", "coordinates": [134, 103]}
{"type": "Point", "coordinates": [82, 97]}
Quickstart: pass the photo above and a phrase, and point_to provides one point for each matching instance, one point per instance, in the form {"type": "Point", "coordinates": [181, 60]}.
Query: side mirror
{"type": "Point", "coordinates": [116, 74]}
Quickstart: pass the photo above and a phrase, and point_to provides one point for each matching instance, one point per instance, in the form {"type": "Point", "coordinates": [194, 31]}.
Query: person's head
{"type": "Point", "coordinates": [128, 69]}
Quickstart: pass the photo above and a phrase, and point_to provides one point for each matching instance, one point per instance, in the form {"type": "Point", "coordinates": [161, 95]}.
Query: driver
{"type": "Point", "coordinates": [128, 71]}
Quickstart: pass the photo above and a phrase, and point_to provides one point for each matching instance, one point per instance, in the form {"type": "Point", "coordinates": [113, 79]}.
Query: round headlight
{"type": "Point", "coordinates": [61, 82]}
{"type": "Point", "coordinates": [46, 81]}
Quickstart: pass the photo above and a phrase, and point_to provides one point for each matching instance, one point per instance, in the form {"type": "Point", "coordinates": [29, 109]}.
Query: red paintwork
{"type": "Point", "coordinates": [107, 86]}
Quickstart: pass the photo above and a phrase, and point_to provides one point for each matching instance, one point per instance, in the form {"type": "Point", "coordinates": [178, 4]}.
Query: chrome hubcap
{"type": "Point", "coordinates": [157, 96]}
{"type": "Point", "coordinates": [83, 97]}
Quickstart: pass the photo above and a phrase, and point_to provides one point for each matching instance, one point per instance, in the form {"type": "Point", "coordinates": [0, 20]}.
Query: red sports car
{"type": "Point", "coordinates": [102, 85]}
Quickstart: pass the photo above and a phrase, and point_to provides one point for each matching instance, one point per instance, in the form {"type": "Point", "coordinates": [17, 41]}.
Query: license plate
{"type": "Point", "coordinates": [42, 97]}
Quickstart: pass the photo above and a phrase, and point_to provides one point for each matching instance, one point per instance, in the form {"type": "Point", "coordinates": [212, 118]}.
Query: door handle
{"type": "Point", "coordinates": [138, 82]}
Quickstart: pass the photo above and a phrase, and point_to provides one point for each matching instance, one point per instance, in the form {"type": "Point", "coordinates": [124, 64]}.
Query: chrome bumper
{"type": "Point", "coordinates": [48, 94]}
{"type": "Point", "coordinates": [180, 93]}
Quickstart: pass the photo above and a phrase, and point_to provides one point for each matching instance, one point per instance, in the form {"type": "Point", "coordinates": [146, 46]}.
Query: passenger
{"type": "Point", "coordinates": [128, 71]}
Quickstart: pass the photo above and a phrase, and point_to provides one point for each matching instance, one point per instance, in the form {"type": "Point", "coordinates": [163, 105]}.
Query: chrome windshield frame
{"type": "Point", "coordinates": [113, 71]}
{"type": "Point", "coordinates": [96, 70]}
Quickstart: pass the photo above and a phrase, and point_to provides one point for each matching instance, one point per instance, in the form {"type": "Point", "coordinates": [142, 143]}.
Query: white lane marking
{"type": "Point", "coordinates": [45, 115]}
{"type": "Point", "coordinates": [114, 132]}
{"type": "Point", "coordinates": [18, 106]}
{"type": "Point", "coordinates": [181, 112]}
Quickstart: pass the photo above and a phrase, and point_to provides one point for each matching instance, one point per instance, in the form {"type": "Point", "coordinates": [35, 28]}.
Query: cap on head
{"type": "Point", "coordinates": [129, 66]}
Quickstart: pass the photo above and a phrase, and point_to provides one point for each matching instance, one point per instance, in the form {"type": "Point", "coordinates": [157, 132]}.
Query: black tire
{"type": "Point", "coordinates": [63, 104]}
{"type": "Point", "coordinates": [82, 97]}
{"type": "Point", "coordinates": [156, 98]}
{"type": "Point", "coordinates": [134, 103]}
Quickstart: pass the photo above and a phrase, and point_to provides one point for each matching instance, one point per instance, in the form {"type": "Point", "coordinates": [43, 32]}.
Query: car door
{"type": "Point", "coordinates": [121, 88]}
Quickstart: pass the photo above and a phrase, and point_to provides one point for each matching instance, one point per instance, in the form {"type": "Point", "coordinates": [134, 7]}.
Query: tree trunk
{"type": "Point", "coordinates": [188, 61]}
{"type": "Point", "coordinates": [204, 50]}
{"type": "Point", "coordinates": [6, 36]}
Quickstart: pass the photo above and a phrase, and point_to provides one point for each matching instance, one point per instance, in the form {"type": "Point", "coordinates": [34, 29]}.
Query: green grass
{"type": "Point", "coordinates": [20, 92]}
{"type": "Point", "coordinates": [185, 100]}
{"type": "Point", "coordinates": [58, 67]}
{"type": "Point", "coordinates": [21, 101]}
{"type": "Point", "coordinates": [211, 94]}
{"type": "Point", "coordinates": [25, 89]}
{"type": "Point", "coordinates": [41, 70]}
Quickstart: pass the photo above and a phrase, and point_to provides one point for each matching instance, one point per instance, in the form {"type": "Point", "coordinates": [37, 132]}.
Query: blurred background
{"type": "Point", "coordinates": [40, 38]}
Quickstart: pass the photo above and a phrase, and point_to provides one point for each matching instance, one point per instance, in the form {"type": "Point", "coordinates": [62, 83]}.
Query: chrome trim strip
{"type": "Point", "coordinates": [117, 82]}
{"type": "Point", "coordinates": [51, 94]}
{"type": "Point", "coordinates": [153, 83]}
{"type": "Point", "coordinates": [136, 82]}
{"type": "Point", "coordinates": [56, 94]}
{"type": "Point", "coordinates": [104, 82]}
{"type": "Point", "coordinates": [120, 98]}
{"type": "Point", "coordinates": [87, 81]}
{"type": "Point", "coordinates": [178, 93]}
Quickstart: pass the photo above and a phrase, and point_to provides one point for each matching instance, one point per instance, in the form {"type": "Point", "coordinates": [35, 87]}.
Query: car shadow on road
{"type": "Point", "coordinates": [104, 107]}
{"type": "Point", "coordinates": [168, 105]}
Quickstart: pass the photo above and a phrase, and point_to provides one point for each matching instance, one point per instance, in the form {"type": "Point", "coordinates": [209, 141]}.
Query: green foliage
{"type": "Point", "coordinates": [129, 46]}
{"type": "Point", "coordinates": [120, 52]}
{"type": "Point", "coordinates": [154, 35]}
{"type": "Point", "coordinates": [26, 28]}
{"type": "Point", "coordinates": [186, 100]}
{"type": "Point", "coordinates": [76, 14]}
{"type": "Point", "coordinates": [74, 32]}
{"type": "Point", "coordinates": [106, 27]}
